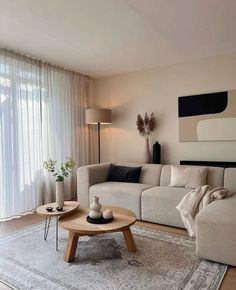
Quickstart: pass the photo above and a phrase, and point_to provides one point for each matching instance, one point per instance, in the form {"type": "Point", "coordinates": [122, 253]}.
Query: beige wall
{"type": "Point", "coordinates": [157, 91]}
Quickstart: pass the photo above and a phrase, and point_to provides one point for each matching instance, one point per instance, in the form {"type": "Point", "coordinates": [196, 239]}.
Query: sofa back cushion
{"type": "Point", "coordinates": [214, 177]}
{"type": "Point", "coordinates": [230, 179]}
{"type": "Point", "coordinates": [150, 173]}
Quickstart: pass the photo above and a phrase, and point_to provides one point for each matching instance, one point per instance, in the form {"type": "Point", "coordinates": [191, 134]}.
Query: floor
{"type": "Point", "coordinates": [229, 282]}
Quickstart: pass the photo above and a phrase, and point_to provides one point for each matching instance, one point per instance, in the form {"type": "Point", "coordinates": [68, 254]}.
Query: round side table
{"type": "Point", "coordinates": [69, 206]}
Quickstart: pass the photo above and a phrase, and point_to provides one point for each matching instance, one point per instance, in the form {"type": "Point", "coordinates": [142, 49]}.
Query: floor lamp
{"type": "Point", "coordinates": [98, 117]}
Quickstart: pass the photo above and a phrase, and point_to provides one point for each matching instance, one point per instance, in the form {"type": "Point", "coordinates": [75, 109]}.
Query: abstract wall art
{"type": "Point", "coordinates": [208, 117]}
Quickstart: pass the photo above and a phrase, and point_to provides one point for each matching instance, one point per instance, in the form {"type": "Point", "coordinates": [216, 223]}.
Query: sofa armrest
{"type": "Point", "coordinates": [86, 177]}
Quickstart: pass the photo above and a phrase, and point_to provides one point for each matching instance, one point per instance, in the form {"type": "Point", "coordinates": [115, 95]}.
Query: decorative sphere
{"type": "Point", "coordinates": [108, 214]}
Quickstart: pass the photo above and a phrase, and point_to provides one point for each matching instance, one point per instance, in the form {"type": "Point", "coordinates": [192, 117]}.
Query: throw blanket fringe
{"type": "Point", "coordinates": [195, 201]}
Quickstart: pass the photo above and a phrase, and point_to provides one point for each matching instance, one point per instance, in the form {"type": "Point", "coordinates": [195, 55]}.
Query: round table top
{"type": "Point", "coordinates": [69, 206]}
{"type": "Point", "coordinates": [76, 222]}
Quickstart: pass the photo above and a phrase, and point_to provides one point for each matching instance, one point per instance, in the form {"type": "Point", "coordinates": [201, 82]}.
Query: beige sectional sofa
{"type": "Point", "coordinates": [154, 201]}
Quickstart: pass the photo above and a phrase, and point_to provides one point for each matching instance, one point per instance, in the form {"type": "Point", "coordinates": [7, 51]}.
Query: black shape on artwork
{"type": "Point", "coordinates": [156, 153]}
{"type": "Point", "coordinates": [213, 103]}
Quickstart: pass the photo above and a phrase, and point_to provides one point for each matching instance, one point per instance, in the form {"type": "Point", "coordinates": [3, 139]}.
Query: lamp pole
{"type": "Point", "coordinates": [99, 154]}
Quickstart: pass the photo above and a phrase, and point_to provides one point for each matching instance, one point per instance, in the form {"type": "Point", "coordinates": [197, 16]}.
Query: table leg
{"type": "Point", "coordinates": [46, 227]}
{"type": "Point", "coordinates": [129, 240]}
{"type": "Point", "coordinates": [71, 247]}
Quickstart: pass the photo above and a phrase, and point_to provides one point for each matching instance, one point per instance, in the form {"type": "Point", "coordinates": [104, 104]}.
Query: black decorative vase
{"type": "Point", "coordinates": [156, 153]}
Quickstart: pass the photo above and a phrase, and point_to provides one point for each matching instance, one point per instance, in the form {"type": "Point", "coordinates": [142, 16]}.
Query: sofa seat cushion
{"type": "Point", "coordinates": [122, 194]}
{"type": "Point", "coordinates": [159, 205]}
{"type": "Point", "coordinates": [216, 231]}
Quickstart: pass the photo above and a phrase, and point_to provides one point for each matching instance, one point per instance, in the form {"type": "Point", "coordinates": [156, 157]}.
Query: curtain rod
{"type": "Point", "coordinates": [38, 60]}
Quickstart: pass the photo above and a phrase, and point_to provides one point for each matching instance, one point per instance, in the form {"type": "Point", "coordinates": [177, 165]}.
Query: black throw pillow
{"type": "Point", "coordinates": [124, 173]}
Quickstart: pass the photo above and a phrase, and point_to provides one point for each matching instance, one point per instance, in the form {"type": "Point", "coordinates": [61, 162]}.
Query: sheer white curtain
{"type": "Point", "coordinates": [64, 99]}
{"type": "Point", "coordinates": [41, 117]}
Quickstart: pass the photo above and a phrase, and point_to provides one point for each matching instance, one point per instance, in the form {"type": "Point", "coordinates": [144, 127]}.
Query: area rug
{"type": "Point", "coordinates": [163, 261]}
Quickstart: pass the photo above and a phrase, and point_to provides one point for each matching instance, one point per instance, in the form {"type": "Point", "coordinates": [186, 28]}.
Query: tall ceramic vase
{"type": "Point", "coordinates": [95, 209]}
{"type": "Point", "coordinates": [147, 154]}
{"type": "Point", "coordinates": [59, 193]}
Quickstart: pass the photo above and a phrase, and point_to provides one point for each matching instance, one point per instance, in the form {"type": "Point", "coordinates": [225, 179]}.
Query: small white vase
{"type": "Point", "coordinates": [95, 206]}
{"type": "Point", "coordinates": [59, 193]}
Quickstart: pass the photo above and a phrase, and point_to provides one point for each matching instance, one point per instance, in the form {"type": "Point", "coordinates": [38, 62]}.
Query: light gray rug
{"type": "Point", "coordinates": [163, 262]}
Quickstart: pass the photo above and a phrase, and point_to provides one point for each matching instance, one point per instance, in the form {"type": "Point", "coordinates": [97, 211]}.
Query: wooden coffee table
{"type": "Point", "coordinates": [69, 206]}
{"type": "Point", "coordinates": [77, 226]}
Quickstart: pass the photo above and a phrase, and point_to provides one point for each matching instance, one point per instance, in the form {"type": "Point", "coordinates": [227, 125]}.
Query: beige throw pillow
{"type": "Point", "coordinates": [190, 177]}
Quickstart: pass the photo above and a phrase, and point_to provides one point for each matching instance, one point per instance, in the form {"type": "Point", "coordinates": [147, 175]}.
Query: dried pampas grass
{"type": "Point", "coordinates": [146, 125]}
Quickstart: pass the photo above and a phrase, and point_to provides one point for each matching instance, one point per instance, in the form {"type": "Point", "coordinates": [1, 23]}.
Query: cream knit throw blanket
{"type": "Point", "coordinates": [195, 201]}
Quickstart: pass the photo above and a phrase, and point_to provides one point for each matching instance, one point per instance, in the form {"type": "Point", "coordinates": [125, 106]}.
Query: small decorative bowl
{"type": "Point", "coordinates": [101, 220]}
{"type": "Point", "coordinates": [59, 208]}
{"type": "Point", "coordinates": [49, 208]}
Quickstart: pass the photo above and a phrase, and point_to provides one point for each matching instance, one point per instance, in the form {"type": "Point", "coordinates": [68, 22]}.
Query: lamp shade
{"type": "Point", "coordinates": [95, 116]}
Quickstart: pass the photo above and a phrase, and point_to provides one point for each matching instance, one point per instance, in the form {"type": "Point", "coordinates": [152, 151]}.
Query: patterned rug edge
{"type": "Point", "coordinates": [6, 283]}
{"type": "Point", "coordinates": [222, 278]}
{"type": "Point", "coordinates": [13, 284]}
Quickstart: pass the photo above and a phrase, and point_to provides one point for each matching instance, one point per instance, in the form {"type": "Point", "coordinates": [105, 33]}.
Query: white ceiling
{"type": "Point", "coordinates": [106, 37]}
